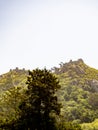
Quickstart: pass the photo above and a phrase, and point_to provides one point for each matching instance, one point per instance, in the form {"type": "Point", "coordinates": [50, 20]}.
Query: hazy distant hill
{"type": "Point", "coordinates": [78, 94]}
{"type": "Point", "coordinates": [78, 74]}
{"type": "Point", "coordinates": [13, 78]}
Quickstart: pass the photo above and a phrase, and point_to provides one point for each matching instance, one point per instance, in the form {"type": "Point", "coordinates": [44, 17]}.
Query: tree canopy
{"type": "Point", "coordinates": [41, 102]}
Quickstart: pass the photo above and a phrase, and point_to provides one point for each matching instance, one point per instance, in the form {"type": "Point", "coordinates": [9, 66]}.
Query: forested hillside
{"type": "Point", "coordinates": [78, 93]}
{"type": "Point", "coordinates": [12, 88]}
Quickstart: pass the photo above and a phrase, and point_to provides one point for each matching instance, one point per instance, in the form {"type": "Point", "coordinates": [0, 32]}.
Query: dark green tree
{"type": "Point", "coordinates": [41, 104]}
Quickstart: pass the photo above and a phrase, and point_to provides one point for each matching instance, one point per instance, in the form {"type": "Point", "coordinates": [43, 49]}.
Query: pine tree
{"type": "Point", "coordinates": [41, 101]}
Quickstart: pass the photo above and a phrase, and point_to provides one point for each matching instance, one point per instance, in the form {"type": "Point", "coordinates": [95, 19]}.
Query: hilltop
{"type": "Point", "coordinates": [79, 74]}
{"type": "Point", "coordinates": [78, 94]}
{"type": "Point", "coordinates": [15, 77]}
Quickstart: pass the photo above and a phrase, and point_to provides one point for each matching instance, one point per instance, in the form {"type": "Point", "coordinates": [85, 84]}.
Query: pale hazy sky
{"type": "Point", "coordinates": [43, 33]}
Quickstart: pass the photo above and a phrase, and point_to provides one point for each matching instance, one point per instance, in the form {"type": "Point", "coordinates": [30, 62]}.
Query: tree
{"type": "Point", "coordinates": [41, 104]}
{"type": "Point", "coordinates": [93, 100]}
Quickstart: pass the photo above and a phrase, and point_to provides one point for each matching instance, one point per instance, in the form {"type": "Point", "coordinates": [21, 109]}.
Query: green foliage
{"type": "Point", "coordinates": [93, 100]}
{"type": "Point", "coordinates": [90, 126]}
{"type": "Point", "coordinates": [11, 94]}
{"type": "Point", "coordinates": [76, 104]}
{"type": "Point", "coordinates": [68, 126]}
{"type": "Point", "coordinates": [78, 95]}
{"type": "Point", "coordinates": [79, 91]}
{"type": "Point", "coordinates": [41, 102]}
{"type": "Point", "coordinates": [13, 78]}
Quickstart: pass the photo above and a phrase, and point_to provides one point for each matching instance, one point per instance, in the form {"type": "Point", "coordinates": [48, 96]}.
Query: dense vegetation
{"type": "Point", "coordinates": [79, 91]}
{"type": "Point", "coordinates": [90, 126]}
{"type": "Point", "coordinates": [78, 95]}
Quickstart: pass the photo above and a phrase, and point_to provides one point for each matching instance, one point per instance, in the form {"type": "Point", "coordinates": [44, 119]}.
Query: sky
{"type": "Point", "coordinates": [43, 33]}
